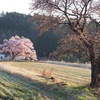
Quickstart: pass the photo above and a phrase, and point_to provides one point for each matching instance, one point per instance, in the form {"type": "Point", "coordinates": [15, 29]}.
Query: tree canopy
{"type": "Point", "coordinates": [74, 14]}
{"type": "Point", "coordinates": [17, 46]}
{"type": "Point", "coordinates": [12, 23]}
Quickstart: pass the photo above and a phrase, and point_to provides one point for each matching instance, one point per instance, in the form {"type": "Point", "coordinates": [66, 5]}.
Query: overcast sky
{"type": "Point", "coordinates": [21, 6]}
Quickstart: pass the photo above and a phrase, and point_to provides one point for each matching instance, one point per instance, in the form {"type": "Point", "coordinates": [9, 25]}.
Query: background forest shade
{"type": "Point", "coordinates": [20, 24]}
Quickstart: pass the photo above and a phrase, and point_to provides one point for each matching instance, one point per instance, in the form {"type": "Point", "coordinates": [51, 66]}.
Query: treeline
{"type": "Point", "coordinates": [20, 24]}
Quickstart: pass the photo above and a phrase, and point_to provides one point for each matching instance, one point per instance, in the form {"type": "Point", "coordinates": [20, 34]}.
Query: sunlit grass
{"type": "Point", "coordinates": [24, 81]}
{"type": "Point", "coordinates": [16, 87]}
{"type": "Point", "coordinates": [72, 74]}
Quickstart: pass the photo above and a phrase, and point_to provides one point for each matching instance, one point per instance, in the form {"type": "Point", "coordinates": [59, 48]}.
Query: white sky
{"type": "Point", "coordinates": [21, 6]}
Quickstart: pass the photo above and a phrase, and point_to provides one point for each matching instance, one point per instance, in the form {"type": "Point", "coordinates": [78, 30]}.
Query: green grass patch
{"type": "Point", "coordinates": [30, 85]}
{"type": "Point", "coordinates": [18, 88]}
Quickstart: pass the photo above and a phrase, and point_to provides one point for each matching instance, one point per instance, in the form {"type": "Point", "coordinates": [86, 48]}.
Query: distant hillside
{"type": "Point", "coordinates": [13, 23]}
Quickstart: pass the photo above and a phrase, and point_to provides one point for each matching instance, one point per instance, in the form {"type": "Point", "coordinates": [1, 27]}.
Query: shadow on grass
{"type": "Point", "coordinates": [17, 87]}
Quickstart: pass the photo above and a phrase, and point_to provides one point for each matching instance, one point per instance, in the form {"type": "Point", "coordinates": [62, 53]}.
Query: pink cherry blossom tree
{"type": "Point", "coordinates": [19, 46]}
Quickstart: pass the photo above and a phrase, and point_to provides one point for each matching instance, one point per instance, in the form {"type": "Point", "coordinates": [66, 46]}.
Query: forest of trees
{"type": "Point", "coordinates": [20, 24]}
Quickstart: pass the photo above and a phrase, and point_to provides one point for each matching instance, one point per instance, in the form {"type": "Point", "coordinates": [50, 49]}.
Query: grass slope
{"type": "Point", "coordinates": [23, 81]}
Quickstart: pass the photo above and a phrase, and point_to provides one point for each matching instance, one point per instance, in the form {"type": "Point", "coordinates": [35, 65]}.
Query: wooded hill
{"type": "Point", "coordinates": [12, 24]}
{"type": "Point", "coordinates": [20, 24]}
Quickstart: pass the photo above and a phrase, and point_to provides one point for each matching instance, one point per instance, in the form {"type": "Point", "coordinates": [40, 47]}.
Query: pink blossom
{"type": "Point", "coordinates": [17, 46]}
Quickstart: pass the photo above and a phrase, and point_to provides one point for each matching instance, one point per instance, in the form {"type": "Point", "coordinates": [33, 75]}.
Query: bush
{"type": "Point", "coordinates": [47, 73]}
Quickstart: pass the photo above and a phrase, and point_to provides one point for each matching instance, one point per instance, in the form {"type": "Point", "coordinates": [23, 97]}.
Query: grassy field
{"type": "Point", "coordinates": [24, 81]}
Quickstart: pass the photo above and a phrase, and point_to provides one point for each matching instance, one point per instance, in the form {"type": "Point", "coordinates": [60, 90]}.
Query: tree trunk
{"type": "Point", "coordinates": [95, 73]}
{"type": "Point", "coordinates": [95, 63]}
{"type": "Point", "coordinates": [12, 56]}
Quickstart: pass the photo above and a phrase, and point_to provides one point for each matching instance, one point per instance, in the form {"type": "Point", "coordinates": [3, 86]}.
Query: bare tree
{"type": "Point", "coordinates": [74, 14]}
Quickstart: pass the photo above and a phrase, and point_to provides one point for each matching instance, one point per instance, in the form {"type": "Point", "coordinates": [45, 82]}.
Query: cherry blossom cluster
{"type": "Point", "coordinates": [19, 46]}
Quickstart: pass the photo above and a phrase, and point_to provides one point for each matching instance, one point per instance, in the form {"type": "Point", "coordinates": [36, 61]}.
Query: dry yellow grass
{"type": "Point", "coordinates": [73, 77]}
{"type": "Point", "coordinates": [36, 69]}
{"type": "Point", "coordinates": [47, 73]}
